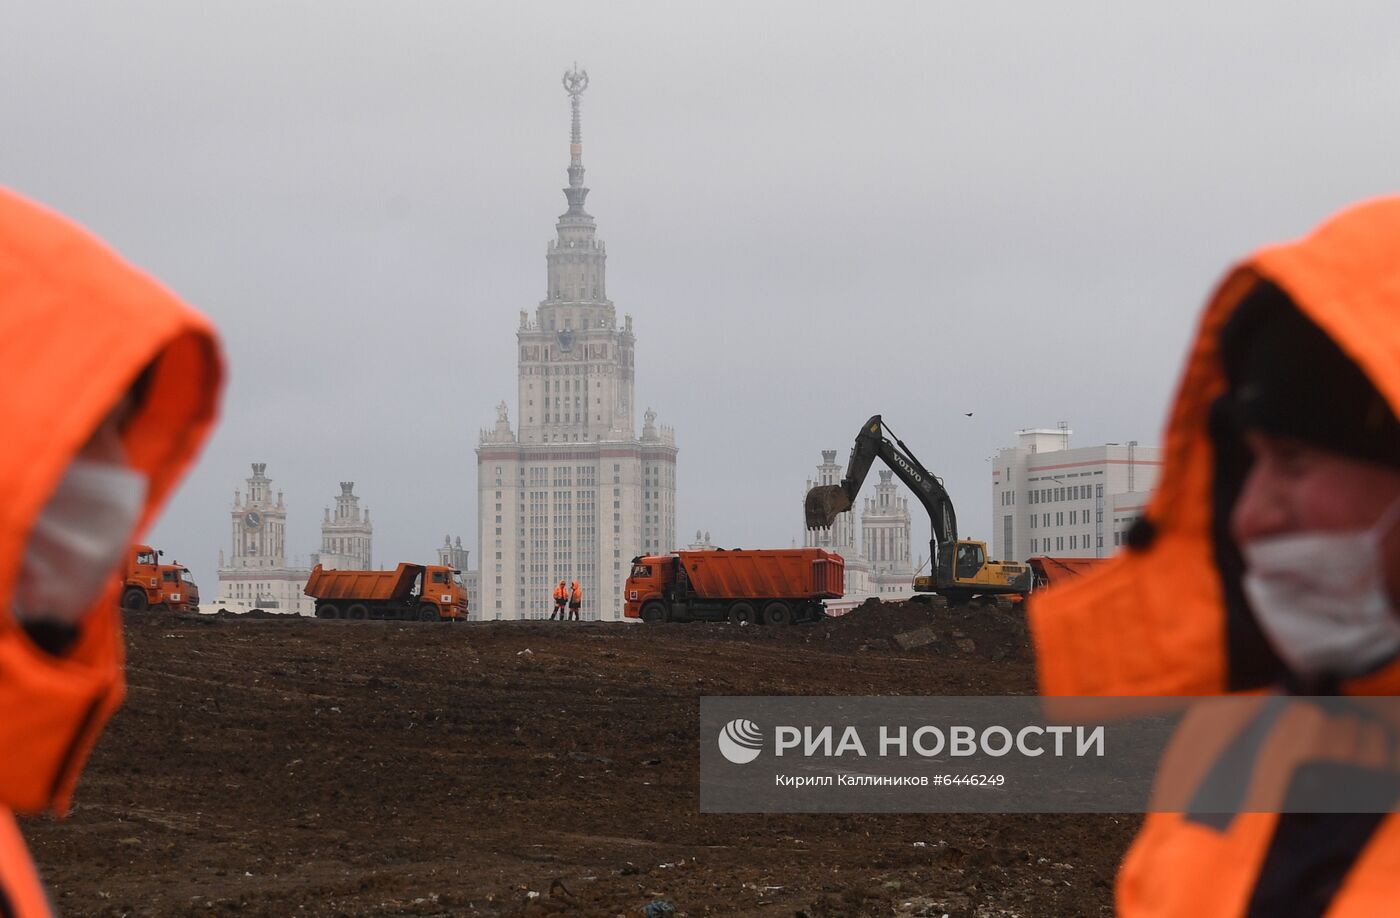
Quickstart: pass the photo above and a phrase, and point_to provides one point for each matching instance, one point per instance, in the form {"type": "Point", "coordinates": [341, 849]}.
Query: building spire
{"type": "Point", "coordinates": [575, 82]}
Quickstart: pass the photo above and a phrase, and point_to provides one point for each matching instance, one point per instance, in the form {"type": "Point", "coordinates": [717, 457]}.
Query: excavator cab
{"type": "Point", "coordinates": [971, 557]}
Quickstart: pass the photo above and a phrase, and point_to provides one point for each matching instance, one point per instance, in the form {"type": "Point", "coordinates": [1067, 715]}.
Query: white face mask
{"type": "Point", "coordinates": [78, 541]}
{"type": "Point", "coordinates": [1321, 598]}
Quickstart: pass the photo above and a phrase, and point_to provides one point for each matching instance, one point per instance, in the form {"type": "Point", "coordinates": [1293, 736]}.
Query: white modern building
{"type": "Point", "coordinates": [575, 493]}
{"type": "Point", "coordinates": [1049, 498]}
{"type": "Point", "coordinates": [256, 575]}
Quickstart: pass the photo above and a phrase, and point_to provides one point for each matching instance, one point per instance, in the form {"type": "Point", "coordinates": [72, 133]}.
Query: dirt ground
{"type": "Point", "coordinates": [303, 767]}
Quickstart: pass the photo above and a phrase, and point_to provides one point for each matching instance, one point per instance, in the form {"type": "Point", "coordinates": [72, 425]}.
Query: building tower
{"type": "Point", "coordinates": [885, 526]}
{"type": "Point", "coordinates": [255, 574]}
{"type": "Point", "coordinates": [576, 493]}
{"type": "Point", "coordinates": [259, 524]}
{"type": "Point", "coordinates": [346, 537]}
{"type": "Point", "coordinates": [841, 537]}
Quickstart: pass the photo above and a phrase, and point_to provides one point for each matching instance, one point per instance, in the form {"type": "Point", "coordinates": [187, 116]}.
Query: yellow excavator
{"type": "Point", "coordinates": [960, 569]}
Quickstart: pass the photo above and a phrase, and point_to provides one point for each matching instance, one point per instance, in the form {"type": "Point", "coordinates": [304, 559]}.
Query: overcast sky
{"type": "Point", "coordinates": [813, 214]}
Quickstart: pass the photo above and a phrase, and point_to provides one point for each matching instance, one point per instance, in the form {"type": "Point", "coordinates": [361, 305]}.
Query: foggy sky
{"type": "Point", "coordinates": [812, 214]}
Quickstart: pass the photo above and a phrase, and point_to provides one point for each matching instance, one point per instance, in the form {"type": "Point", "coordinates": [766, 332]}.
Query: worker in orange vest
{"type": "Point", "coordinates": [561, 597]}
{"type": "Point", "coordinates": [1268, 559]}
{"type": "Point", "coordinates": [575, 600]}
{"type": "Point", "coordinates": [113, 385]}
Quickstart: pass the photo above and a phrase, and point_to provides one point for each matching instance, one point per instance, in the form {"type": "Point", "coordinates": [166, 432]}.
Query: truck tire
{"type": "Point", "coordinates": [357, 612]}
{"type": "Point", "coordinates": [328, 610]}
{"type": "Point", "coordinates": [742, 613]}
{"type": "Point", "coordinates": [428, 612]}
{"type": "Point", "coordinates": [654, 612]}
{"type": "Point", "coordinates": [777, 613]}
{"type": "Point", "coordinates": [134, 600]}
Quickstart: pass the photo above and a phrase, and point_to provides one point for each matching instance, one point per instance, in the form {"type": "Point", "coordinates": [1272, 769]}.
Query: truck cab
{"type": "Point", "coordinates": [143, 577]}
{"type": "Point", "coordinates": [443, 587]}
{"type": "Point", "coordinates": [651, 576]}
{"type": "Point", "coordinates": [179, 592]}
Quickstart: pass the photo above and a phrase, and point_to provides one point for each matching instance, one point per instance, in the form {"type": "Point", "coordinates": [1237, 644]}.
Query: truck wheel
{"type": "Point", "coordinates": [328, 610]}
{"type": "Point", "coordinates": [358, 612]}
{"type": "Point", "coordinates": [653, 612]}
{"type": "Point", "coordinates": [134, 600]}
{"type": "Point", "coordinates": [741, 613]}
{"type": "Point", "coordinates": [777, 613]}
{"type": "Point", "coordinates": [427, 612]}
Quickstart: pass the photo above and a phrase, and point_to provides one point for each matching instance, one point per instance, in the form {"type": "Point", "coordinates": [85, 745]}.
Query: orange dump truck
{"type": "Point", "coordinates": [775, 587]}
{"type": "Point", "coordinates": [410, 592]}
{"type": "Point", "coordinates": [1048, 571]}
{"type": "Point", "coordinates": [152, 585]}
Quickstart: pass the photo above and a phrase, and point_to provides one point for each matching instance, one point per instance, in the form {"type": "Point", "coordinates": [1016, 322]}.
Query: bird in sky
{"type": "Point", "coordinates": [967, 414]}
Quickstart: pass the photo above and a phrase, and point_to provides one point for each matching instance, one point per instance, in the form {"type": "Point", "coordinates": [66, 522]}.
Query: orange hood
{"type": "Point", "coordinates": [78, 326]}
{"type": "Point", "coordinates": [1161, 619]}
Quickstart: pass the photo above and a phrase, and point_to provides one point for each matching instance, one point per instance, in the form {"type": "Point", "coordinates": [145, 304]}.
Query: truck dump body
{"type": "Point", "coordinates": [410, 592]}
{"type": "Point", "coordinates": [774, 586]}
{"type": "Point", "coordinates": [1049, 571]}
{"type": "Point", "coordinates": [372, 585]}
{"type": "Point", "coordinates": [798, 573]}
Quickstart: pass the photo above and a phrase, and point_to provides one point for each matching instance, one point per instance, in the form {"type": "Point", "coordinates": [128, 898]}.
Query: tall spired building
{"type": "Point", "coordinates": [575, 493]}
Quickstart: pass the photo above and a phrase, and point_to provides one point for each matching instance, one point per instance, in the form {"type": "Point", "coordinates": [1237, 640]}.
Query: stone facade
{"type": "Point", "coordinates": [575, 493]}
{"type": "Point", "coordinates": [885, 534]}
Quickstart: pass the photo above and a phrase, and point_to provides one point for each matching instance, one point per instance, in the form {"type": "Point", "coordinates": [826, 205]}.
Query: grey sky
{"type": "Point", "coordinates": [813, 214]}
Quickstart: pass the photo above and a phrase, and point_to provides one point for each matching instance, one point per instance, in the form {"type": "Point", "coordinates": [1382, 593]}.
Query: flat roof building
{"type": "Point", "coordinates": [1049, 498]}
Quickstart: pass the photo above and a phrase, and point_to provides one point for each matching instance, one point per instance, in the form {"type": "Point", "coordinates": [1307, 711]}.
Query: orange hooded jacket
{"type": "Point", "coordinates": [561, 593]}
{"type": "Point", "coordinates": [1168, 617]}
{"type": "Point", "coordinates": [77, 327]}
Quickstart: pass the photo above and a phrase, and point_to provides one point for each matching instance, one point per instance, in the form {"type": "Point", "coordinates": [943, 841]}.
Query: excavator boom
{"type": "Point", "coordinates": [825, 502]}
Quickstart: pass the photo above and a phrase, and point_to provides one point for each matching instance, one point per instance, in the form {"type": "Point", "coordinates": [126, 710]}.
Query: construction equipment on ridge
{"type": "Point", "coordinates": [960, 569]}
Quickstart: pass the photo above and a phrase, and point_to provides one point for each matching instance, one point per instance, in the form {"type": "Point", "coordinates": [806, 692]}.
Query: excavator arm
{"type": "Point", "coordinates": [875, 440]}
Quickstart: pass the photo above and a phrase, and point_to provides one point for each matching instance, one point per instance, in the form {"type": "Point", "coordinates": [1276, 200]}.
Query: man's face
{"type": "Point", "coordinates": [1295, 487]}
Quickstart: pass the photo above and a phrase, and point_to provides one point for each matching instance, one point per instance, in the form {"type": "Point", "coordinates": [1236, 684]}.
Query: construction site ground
{"type": "Point", "coordinates": [284, 766]}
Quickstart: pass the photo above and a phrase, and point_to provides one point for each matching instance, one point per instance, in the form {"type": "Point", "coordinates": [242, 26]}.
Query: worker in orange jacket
{"type": "Point", "coordinates": [1267, 560]}
{"type": "Point", "coordinates": [112, 387]}
{"type": "Point", "coordinates": [561, 598]}
{"type": "Point", "coordinates": [575, 600]}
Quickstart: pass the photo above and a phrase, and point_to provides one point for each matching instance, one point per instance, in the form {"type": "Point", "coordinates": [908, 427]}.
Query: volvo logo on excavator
{"type": "Point", "coordinates": [907, 468]}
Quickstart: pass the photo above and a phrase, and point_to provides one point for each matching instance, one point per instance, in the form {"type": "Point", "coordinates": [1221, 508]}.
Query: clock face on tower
{"type": "Point", "coordinates": [252, 519]}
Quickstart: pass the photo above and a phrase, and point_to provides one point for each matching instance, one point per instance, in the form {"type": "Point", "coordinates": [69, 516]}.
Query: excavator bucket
{"type": "Point", "coordinates": [824, 503]}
